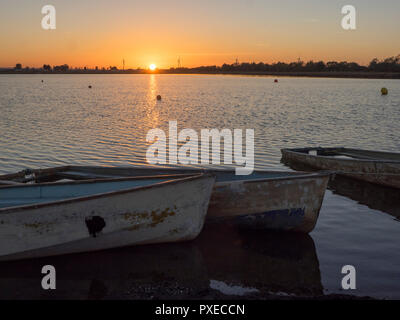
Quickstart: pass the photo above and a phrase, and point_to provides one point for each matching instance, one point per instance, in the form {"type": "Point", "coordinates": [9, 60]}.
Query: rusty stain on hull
{"type": "Point", "coordinates": [159, 218]}
{"type": "Point", "coordinates": [140, 219]}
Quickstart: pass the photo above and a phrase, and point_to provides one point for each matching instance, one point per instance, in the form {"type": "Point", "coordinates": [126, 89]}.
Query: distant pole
{"type": "Point", "coordinates": [179, 62]}
{"type": "Point", "coordinates": [123, 64]}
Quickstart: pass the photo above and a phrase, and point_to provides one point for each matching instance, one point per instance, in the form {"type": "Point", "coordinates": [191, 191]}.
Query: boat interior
{"type": "Point", "coordinates": [19, 195]}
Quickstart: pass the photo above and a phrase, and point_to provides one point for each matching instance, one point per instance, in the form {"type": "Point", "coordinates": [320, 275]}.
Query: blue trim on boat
{"type": "Point", "coordinates": [276, 219]}
{"type": "Point", "coordinates": [256, 175]}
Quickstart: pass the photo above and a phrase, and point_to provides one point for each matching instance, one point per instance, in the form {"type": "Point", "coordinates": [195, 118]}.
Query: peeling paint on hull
{"type": "Point", "coordinates": [165, 212]}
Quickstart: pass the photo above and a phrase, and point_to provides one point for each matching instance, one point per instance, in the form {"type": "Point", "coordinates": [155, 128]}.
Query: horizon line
{"type": "Point", "coordinates": [102, 68]}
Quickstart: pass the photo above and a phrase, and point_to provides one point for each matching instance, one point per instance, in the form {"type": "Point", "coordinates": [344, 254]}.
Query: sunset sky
{"type": "Point", "coordinates": [203, 32]}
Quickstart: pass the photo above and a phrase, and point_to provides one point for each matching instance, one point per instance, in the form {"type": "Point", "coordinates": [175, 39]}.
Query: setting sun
{"type": "Point", "coordinates": [152, 67]}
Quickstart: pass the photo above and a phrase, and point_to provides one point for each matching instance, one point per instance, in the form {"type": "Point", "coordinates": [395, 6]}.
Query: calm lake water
{"type": "Point", "coordinates": [61, 121]}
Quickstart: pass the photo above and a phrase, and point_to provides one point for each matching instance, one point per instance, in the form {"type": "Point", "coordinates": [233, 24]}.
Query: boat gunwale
{"type": "Point", "coordinates": [289, 175]}
{"type": "Point", "coordinates": [100, 195]}
{"type": "Point", "coordinates": [95, 180]}
{"type": "Point", "coordinates": [300, 175]}
{"type": "Point", "coordinates": [299, 151]}
{"type": "Point", "coordinates": [10, 176]}
{"type": "Point", "coordinates": [194, 171]}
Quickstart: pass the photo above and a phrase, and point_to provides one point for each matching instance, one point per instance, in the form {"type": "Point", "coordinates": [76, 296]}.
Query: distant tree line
{"type": "Point", "coordinates": [388, 65]}
{"type": "Point", "coordinates": [62, 68]}
{"type": "Point", "coordinates": [391, 64]}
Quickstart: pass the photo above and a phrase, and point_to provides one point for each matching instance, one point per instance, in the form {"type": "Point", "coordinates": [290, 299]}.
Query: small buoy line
{"type": "Point", "coordinates": [384, 91]}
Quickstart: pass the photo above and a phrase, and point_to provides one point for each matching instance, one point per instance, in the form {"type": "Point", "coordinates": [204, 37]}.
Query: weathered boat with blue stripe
{"type": "Point", "coordinates": [269, 200]}
{"type": "Point", "coordinates": [59, 218]}
{"type": "Point", "coordinates": [377, 167]}
{"type": "Point", "coordinates": [277, 200]}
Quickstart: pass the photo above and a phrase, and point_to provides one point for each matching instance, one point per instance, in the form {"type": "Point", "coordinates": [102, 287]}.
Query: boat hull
{"type": "Point", "coordinates": [165, 212]}
{"type": "Point", "coordinates": [382, 172]}
{"type": "Point", "coordinates": [288, 204]}
{"type": "Point", "coordinates": [279, 201]}
{"type": "Point", "coordinates": [286, 201]}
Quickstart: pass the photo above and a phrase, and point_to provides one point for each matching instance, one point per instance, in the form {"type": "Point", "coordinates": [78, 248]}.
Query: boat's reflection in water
{"type": "Point", "coordinates": [271, 262]}
{"type": "Point", "coordinates": [223, 260]}
{"type": "Point", "coordinates": [374, 196]}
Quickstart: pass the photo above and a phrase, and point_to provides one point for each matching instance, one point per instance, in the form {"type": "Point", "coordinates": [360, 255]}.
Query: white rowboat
{"type": "Point", "coordinates": [59, 218]}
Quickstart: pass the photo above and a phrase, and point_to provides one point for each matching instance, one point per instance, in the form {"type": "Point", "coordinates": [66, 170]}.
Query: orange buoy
{"type": "Point", "coordinates": [276, 80]}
